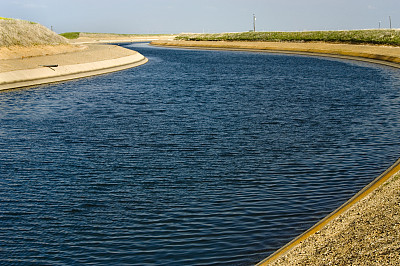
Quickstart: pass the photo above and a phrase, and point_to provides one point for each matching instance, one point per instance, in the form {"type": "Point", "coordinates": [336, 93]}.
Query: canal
{"type": "Point", "coordinates": [195, 158]}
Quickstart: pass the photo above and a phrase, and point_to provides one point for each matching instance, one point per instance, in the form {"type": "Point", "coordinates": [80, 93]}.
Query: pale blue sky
{"type": "Point", "coordinates": [176, 16]}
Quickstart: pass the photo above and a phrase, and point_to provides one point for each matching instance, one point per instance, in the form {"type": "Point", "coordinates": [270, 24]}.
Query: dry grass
{"type": "Point", "coordinates": [16, 32]}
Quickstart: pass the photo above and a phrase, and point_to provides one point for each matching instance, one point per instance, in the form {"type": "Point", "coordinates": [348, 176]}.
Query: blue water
{"type": "Point", "coordinates": [195, 158]}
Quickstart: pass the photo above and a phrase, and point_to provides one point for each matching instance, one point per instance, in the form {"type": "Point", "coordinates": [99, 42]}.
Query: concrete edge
{"type": "Point", "coordinates": [32, 77]}
{"type": "Point", "coordinates": [391, 171]}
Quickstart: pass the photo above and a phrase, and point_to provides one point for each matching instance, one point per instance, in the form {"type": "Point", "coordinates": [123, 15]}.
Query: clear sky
{"type": "Point", "coordinates": [176, 16]}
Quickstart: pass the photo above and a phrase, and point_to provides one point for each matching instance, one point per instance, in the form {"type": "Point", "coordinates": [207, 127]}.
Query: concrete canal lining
{"type": "Point", "coordinates": [93, 61]}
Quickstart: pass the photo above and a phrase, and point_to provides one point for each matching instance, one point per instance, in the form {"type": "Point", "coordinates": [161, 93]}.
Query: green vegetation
{"type": "Point", "coordinates": [381, 37]}
{"type": "Point", "coordinates": [70, 35]}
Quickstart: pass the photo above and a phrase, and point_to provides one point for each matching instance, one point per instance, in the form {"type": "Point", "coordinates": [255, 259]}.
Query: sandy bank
{"type": "Point", "coordinates": [25, 69]}
{"type": "Point", "coordinates": [20, 52]}
{"type": "Point", "coordinates": [387, 55]}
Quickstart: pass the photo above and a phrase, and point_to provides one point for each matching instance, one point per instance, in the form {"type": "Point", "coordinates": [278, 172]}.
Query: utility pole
{"type": "Point", "coordinates": [254, 22]}
{"type": "Point", "coordinates": [390, 22]}
{"type": "Point", "coordinates": [379, 24]}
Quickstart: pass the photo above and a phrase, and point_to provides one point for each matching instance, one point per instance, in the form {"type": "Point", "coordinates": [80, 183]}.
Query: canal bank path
{"type": "Point", "coordinates": [40, 65]}
{"type": "Point", "coordinates": [366, 229]}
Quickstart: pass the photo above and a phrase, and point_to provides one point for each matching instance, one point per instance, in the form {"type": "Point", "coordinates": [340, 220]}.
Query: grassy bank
{"type": "Point", "coordinates": [16, 32]}
{"type": "Point", "coordinates": [379, 37]}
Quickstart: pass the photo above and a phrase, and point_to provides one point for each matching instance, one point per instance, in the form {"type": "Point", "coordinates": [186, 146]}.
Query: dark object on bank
{"type": "Point", "coordinates": [50, 66]}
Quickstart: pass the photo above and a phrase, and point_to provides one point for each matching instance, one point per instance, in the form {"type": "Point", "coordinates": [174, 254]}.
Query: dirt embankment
{"type": "Point", "coordinates": [23, 39]}
{"type": "Point", "coordinates": [31, 54]}
{"type": "Point", "coordinates": [16, 32]}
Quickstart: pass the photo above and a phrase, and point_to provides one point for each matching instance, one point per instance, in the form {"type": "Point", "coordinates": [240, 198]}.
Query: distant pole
{"type": "Point", "coordinates": [254, 22]}
{"type": "Point", "coordinates": [379, 24]}
{"type": "Point", "coordinates": [390, 22]}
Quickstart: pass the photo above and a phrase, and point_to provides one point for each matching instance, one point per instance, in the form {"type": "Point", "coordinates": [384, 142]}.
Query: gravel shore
{"type": "Point", "coordinates": [366, 234]}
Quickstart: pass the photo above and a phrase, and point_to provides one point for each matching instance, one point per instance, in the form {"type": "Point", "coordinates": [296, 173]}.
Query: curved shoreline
{"type": "Point", "coordinates": [344, 234]}
{"type": "Point", "coordinates": [94, 60]}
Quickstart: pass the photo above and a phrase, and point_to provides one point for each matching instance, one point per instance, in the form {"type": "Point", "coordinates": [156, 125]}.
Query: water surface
{"type": "Point", "coordinates": [195, 158]}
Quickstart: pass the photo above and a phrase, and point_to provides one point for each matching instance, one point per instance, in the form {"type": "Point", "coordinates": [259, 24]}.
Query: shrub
{"type": "Point", "coordinates": [71, 35]}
